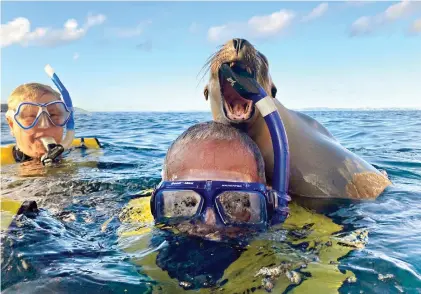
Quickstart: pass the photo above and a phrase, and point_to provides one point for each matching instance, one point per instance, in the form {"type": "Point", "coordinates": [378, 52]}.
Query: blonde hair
{"type": "Point", "coordinates": [29, 92]}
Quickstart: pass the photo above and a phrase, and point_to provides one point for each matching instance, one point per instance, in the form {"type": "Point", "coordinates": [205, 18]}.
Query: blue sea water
{"type": "Point", "coordinates": [67, 248]}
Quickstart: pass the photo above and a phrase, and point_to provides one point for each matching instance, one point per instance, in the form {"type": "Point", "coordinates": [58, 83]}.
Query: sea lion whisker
{"type": "Point", "coordinates": [207, 63]}
{"type": "Point", "coordinates": [207, 66]}
{"type": "Point", "coordinates": [203, 76]}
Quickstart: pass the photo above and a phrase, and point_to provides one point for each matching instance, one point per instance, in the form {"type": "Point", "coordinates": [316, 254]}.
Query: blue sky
{"type": "Point", "coordinates": [146, 56]}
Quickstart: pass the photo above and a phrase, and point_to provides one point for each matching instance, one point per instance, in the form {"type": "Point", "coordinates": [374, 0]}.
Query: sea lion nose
{"type": "Point", "coordinates": [238, 44]}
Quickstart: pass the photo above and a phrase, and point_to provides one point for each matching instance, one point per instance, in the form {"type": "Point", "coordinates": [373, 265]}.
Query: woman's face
{"type": "Point", "coordinates": [28, 141]}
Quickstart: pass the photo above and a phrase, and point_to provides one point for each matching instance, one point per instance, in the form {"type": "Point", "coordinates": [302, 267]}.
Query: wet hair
{"type": "Point", "coordinates": [213, 130]}
{"type": "Point", "coordinates": [30, 92]}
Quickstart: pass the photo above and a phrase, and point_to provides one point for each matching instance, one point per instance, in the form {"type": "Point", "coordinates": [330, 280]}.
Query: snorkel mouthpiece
{"type": "Point", "coordinates": [243, 82]}
{"type": "Point", "coordinates": [248, 87]}
{"type": "Point", "coordinates": [54, 150]}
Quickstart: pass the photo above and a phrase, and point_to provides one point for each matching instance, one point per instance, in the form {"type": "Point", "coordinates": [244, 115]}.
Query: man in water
{"type": "Point", "coordinates": [213, 152]}
{"type": "Point", "coordinates": [29, 122]}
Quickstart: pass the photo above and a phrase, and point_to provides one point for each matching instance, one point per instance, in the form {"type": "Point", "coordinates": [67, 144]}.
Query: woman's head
{"type": "Point", "coordinates": [28, 141]}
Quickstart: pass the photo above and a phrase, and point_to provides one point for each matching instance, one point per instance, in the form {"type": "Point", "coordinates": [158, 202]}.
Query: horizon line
{"type": "Point", "coordinates": [322, 108]}
{"type": "Point", "coordinates": [296, 109]}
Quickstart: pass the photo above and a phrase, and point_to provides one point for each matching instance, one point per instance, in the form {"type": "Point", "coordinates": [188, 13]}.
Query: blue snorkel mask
{"type": "Point", "coordinates": [234, 203]}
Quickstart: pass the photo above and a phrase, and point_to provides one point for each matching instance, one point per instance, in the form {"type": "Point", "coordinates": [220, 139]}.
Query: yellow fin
{"type": "Point", "coordinates": [6, 155]}
{"type": "Point", "coordinates": [9, 208]}
{"type": "Point", "coordinates": [91, 143]}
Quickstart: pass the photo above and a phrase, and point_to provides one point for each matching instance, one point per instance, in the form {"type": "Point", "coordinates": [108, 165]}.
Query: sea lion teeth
{"type": "Point", "coordinates": [231, 107]}
{"type": "Point", "coordinates": [238, 109]}
{"type": "Point", "coordinates": [228, 106]}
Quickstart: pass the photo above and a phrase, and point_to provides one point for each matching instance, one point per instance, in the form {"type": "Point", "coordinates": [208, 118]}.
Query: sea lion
{"type": "Point", "coordinates": [319, 165]}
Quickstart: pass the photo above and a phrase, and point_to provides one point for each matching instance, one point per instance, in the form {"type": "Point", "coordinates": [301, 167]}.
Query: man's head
{"type": "Point", "coordinates": [214, 151]}
{"type": "Point", "coordinates": [28, 141]}
{"type": "Point", "coordinates": [217, 152]}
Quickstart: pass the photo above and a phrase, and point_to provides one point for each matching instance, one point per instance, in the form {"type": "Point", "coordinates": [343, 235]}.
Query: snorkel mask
{"type": "Point", "coordinates": [57, 113]}
{"type": "Point", "coordinates": [234, 203]}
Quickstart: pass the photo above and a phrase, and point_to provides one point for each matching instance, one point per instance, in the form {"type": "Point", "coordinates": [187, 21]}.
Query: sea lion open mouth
{"type": "Point", "coordinates": [227, 106]}
{"type": "Point", "coordinates": [236, 108]}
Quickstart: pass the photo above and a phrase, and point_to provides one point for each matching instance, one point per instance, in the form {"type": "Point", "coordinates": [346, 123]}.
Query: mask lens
{"type": "Point", "coordinates": [27, 114]}
{"type": "Point", "coordinates": [178, 203]}
{"type": "Point", "coordinates": [242, 207]}
{"type": "Point", "coordinates": [58, 113]}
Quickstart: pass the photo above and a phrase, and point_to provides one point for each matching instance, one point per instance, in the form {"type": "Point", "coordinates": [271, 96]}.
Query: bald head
{"type": "Point", "coordinates": [214, 151]}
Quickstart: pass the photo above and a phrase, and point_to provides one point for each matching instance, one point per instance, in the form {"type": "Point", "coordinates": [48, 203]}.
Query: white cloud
{"type": "Point", "coordinates": [416, 26]}
{"type": "Point", "coordinates": [129, 32]}
{"type": "Point", "coordinates": [318, 11]}
{"type": "Point", "coordinates": [399, 10]}
{"type": "Point", "coordinates": [18, 31]}
{"type": "Point", "coordinates": [94, 20]}
{"type": "Point", "coordinates": [270, 24]}
{"type": "Point", "coordinates": [368, 24]}
{"type": "Point", "coordinates": [256, 27]}
{"type": "Point", "coordinates": [361, 26]}
{"type": "Point", "coordinates": [76, 56]}
{"type": "Point", "coordinates": [14, 31]}
{"type": "Point", "coordinates": [217, 33]}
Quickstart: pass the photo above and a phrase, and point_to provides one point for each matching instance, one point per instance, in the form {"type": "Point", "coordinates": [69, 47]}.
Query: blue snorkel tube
{"type": "Point", "coordinates": [54, 149]}
{"type": "Point", "coordinates": [246, 85]}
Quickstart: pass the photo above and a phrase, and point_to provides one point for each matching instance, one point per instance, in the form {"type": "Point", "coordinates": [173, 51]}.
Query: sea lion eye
{"type": "Point", "coordinates": [274, 91]}
{"type": "Point", "coordinates": [206, 93]}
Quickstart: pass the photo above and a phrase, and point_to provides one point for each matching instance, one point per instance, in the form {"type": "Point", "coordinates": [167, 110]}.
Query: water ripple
{"type": "Point", "coordinates": [73, 243]}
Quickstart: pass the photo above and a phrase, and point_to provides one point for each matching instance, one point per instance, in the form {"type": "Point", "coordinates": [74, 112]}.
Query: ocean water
{"type": "Point", "coordinates": [80, 242]}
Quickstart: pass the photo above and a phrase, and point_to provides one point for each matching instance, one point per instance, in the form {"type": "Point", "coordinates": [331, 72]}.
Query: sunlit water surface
{"type": "Point", "coordinates": [76, 244]}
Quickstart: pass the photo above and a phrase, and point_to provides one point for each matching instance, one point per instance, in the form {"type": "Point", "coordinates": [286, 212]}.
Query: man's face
{"type": "Point", "coordinates": [216, 160]}
{"type": "Point", "coordinates": [29, 141]}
